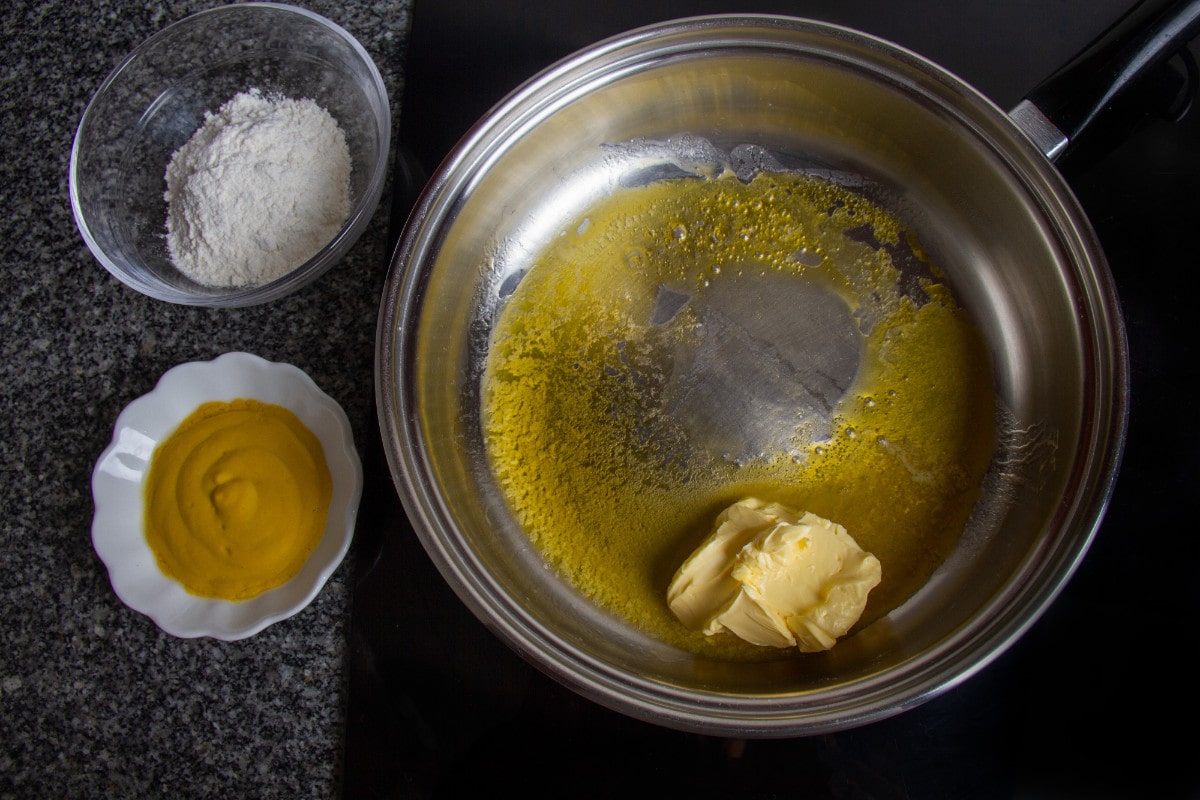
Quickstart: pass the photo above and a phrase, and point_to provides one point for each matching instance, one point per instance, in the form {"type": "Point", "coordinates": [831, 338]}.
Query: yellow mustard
{"type": "Point", "coordinates": [236, 499]}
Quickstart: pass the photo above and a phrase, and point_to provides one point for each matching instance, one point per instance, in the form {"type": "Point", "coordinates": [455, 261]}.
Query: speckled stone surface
{"type": "Point", "coordinates": [95, 700]}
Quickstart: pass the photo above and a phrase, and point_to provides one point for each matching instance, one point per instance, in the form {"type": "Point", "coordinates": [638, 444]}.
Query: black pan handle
{"type": "Point", "coordinates": [1091, 86]}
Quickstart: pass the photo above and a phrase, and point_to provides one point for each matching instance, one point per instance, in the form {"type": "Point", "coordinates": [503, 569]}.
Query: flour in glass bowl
{"type": "Point", "coordinates": [260, 188]}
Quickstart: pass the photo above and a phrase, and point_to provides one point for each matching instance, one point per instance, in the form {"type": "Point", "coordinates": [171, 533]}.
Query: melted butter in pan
{"type": "Point", "coordinates": [696, 341]}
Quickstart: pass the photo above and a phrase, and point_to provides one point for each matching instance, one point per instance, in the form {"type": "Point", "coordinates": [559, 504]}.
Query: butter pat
{"type": "Point", "coordinates": [775, 578]}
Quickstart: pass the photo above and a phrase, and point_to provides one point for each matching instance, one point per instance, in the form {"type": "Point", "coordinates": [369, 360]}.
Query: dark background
{"type": "Point", "coordinates": [1097, 700]}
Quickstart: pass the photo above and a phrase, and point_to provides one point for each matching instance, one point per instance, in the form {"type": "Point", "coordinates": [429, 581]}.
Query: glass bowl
{"type": "Point", "coordinates": [157, 97]}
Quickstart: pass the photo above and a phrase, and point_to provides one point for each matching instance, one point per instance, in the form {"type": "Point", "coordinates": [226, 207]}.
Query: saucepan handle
{"type": "Point", "coordinates": [1089, 89]}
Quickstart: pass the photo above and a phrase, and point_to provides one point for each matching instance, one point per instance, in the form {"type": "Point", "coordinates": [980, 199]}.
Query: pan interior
{"type": "Point", "coordinates": [846, 109]}
{"type": "Point", "coordinates": [697, 341]}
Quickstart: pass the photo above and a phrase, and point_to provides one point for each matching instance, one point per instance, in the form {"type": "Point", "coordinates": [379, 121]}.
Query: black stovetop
{"type": "Point", "coordinates": [1098, 699]}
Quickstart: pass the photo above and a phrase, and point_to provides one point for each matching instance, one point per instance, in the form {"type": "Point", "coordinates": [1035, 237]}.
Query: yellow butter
{"type": "Point", "coordinates": [775, 578]}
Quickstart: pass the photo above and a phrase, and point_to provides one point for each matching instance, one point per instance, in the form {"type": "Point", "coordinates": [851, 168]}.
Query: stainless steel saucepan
{"type": "Point", "coordinates": [976, 185]}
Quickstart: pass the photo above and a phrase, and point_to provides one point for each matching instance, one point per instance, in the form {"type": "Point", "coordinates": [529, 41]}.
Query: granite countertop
{"type": "Point", "coordinates": [95, 700]}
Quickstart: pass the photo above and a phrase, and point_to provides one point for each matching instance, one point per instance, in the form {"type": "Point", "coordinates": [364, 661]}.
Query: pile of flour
{"type": "Point", "coordinates": [258, 190]}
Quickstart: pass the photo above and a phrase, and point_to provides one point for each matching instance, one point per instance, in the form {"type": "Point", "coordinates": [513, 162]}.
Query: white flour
{"type": "Point", "coordinates": [258, 189]}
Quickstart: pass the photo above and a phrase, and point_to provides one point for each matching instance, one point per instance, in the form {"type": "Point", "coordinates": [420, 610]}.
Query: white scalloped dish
{"type": "Point", "coordinates": [118, 492]}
